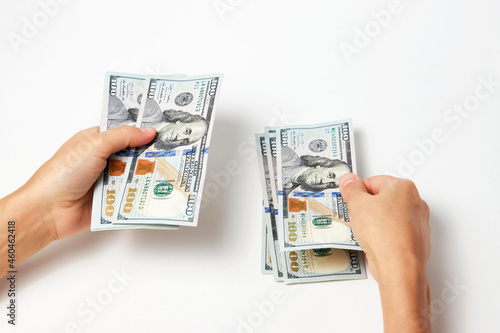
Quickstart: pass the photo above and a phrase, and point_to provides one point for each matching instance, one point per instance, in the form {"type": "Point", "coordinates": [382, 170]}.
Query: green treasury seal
{"type": "Point", "coordinates": [322, 221]}
{"type": "Point", "coordinates": [163, 189]}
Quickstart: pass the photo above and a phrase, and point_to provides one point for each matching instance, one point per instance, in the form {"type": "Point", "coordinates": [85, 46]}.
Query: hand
{"type": "Point", "coordinates": [391, 224]}
{"type": "Point", "coordinates": [57, 201]}
{"type": "Point", "coordinates": [67, 179]}
{"type": "Point", "coordinates": [388, 219]}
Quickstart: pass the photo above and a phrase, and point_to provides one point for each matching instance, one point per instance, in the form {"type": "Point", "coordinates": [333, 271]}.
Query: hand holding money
{"type": "Point", "coordinates": [73, 170]}
{"type": "Point", "coordinates": [307, 236]}
{"type": "Point", "coordinates": [398, 228]}
{"type": "Point", "coordinates": [57, 200]}
{"type": "Point", "coordinates": [391, 223]}
{"type": "Point", "coordinates": [159, 185]}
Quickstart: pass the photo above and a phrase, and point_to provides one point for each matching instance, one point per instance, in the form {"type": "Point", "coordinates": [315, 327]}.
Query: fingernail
{"type": "Point", "coordinates": [148, 130]}
{"type": "Point", "coordinates": [347, 179]}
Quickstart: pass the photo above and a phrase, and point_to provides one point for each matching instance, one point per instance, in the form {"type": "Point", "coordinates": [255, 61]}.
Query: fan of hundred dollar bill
{"type": "Point", "coordinates": [305, 226]}
{"type": "Point", "coordinates": [157, 186]}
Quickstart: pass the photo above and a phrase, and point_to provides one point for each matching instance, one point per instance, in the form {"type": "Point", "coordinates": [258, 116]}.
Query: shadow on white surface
{"type": "Point", "coordinates": [438, 272]}
{"type": "Point", "coordinates": [213, 225]}
{"type": "Point", "coordinates": [361, 155]}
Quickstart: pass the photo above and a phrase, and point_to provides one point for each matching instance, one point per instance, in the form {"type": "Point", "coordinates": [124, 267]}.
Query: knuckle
{"type": "Point", "coordinates": [426, 208]}
{"type": "Point", "coordinates": [409, 184]}
{"type": "Point", "coordinates": [88, 133]}
{"type": "Point", "coordinates": [126, 129]}
{"type": "Point", "coordinates": [408, 188]}
{"type": "Point", "coordinates": [98, 140]}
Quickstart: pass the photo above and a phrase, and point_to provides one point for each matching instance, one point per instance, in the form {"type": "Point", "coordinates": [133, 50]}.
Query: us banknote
{"type": "Point", "coordinates": [266, 260]}
{"type": "Point", "coordinates": [269, 216]}
{"type": "Point", "coordinates": [270, 140]}
{"type": "Point", "coordinates": [310, 265]}
{"type": "Point", "coordinates": [164, 180]}
{"type": "Point", "coordinates": [310, 162]}
{"type": "Point", "coordinates": [324, 264]}
{"type": "Point", "coordinates": [121, 99]}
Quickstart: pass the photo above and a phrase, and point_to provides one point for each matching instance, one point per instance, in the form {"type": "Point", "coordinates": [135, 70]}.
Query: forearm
{"type": "Point", "coordinates": [405, 297]}
{"type": "Point", "coordinates": [32, 230]}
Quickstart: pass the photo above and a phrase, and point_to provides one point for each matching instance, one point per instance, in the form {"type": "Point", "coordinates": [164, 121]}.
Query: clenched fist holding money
{"type": "Point", "coordinates": [391, 223]}
{"type": "Point", "coordinates": [57, 201]}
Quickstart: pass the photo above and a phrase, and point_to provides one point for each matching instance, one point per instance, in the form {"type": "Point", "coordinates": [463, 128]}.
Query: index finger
{"type": "Point", "coordinates": [376, 184]}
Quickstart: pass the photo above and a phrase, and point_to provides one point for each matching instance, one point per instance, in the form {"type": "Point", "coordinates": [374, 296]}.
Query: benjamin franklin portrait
{"type": "Point", "coordinates": [310, 173]}
{"type": "Point", "coordinates": [174, 128]}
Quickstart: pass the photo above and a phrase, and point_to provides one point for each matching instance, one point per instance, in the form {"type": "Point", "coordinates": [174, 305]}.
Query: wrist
{"type": "Point", "coordinates": [36, 212]}
{"type": "Point", "coordinates": [33, 227]}
{"type": "Point", "coordinates": [405, 295]}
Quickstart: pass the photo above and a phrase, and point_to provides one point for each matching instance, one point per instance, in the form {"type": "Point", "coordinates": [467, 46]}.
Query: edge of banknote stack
{"type": "Point", "coordinates": [159, 185]}
{"type": "Point", "coordinates": [305, 222]}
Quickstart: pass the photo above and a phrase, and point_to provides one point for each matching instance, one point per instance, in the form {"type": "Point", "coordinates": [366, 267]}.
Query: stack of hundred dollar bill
{"type": "Point", "coordinates": [305, 231]}
{"type": "Point", "coordinates": [157, 186]}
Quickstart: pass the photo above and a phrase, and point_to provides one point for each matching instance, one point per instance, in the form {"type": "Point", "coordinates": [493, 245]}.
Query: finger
{"type": "Point", "coordinates": [376, 184]}
{"type": "Point", "coordinates": [122, 137]}
{"type": "Point", "coordinates": [351, 186]}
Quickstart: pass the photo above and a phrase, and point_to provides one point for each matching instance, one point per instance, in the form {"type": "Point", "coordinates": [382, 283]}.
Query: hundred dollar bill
{"type": "Point", "coordinates": [122, 97]}
{"type": "Point", "coordinates": [268, 256]}
{"type": "Point", "coordinates": [324, 264]}
{"type": "Point", "coordinates": [270, 139]}
{"type": "Point", "coordinates": [312, 265]}
{"type": "Point", "coordinates": [269, 211]}
{"type": "Point", "coordinates": [164, 180]}
{"type": "Point", "coordinates": [266, 260]}
{"type": "Point", "coordinates": [310, 161]}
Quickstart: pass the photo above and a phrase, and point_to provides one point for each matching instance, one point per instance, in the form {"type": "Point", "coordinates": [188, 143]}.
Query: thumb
{"type": "Point", "coordinates": [122, 137]}
{"type": "Point", "coordinates": [350, 186]}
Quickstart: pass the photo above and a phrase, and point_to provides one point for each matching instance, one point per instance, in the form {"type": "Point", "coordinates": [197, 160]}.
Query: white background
{"type": "Point", "coordinates": [279, 58]}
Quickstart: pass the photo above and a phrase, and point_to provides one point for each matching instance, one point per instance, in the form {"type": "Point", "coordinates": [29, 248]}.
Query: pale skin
{"type": "Point", "coordinates": [388, 218]}
{"type": "Point", "coordinates": [391, 223]}
{"type": "Point", "coordinates": [57, 200]}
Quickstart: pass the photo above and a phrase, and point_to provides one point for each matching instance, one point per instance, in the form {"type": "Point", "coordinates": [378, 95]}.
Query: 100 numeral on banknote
{"type": "Point", "coordinates": [122, 97]}
{"type": "Point", "coordinates": [323, 171]}
{"type": "Point", "coordinates": [310, 162]}
{"type": "Point", "coordinates": [165, 178]}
